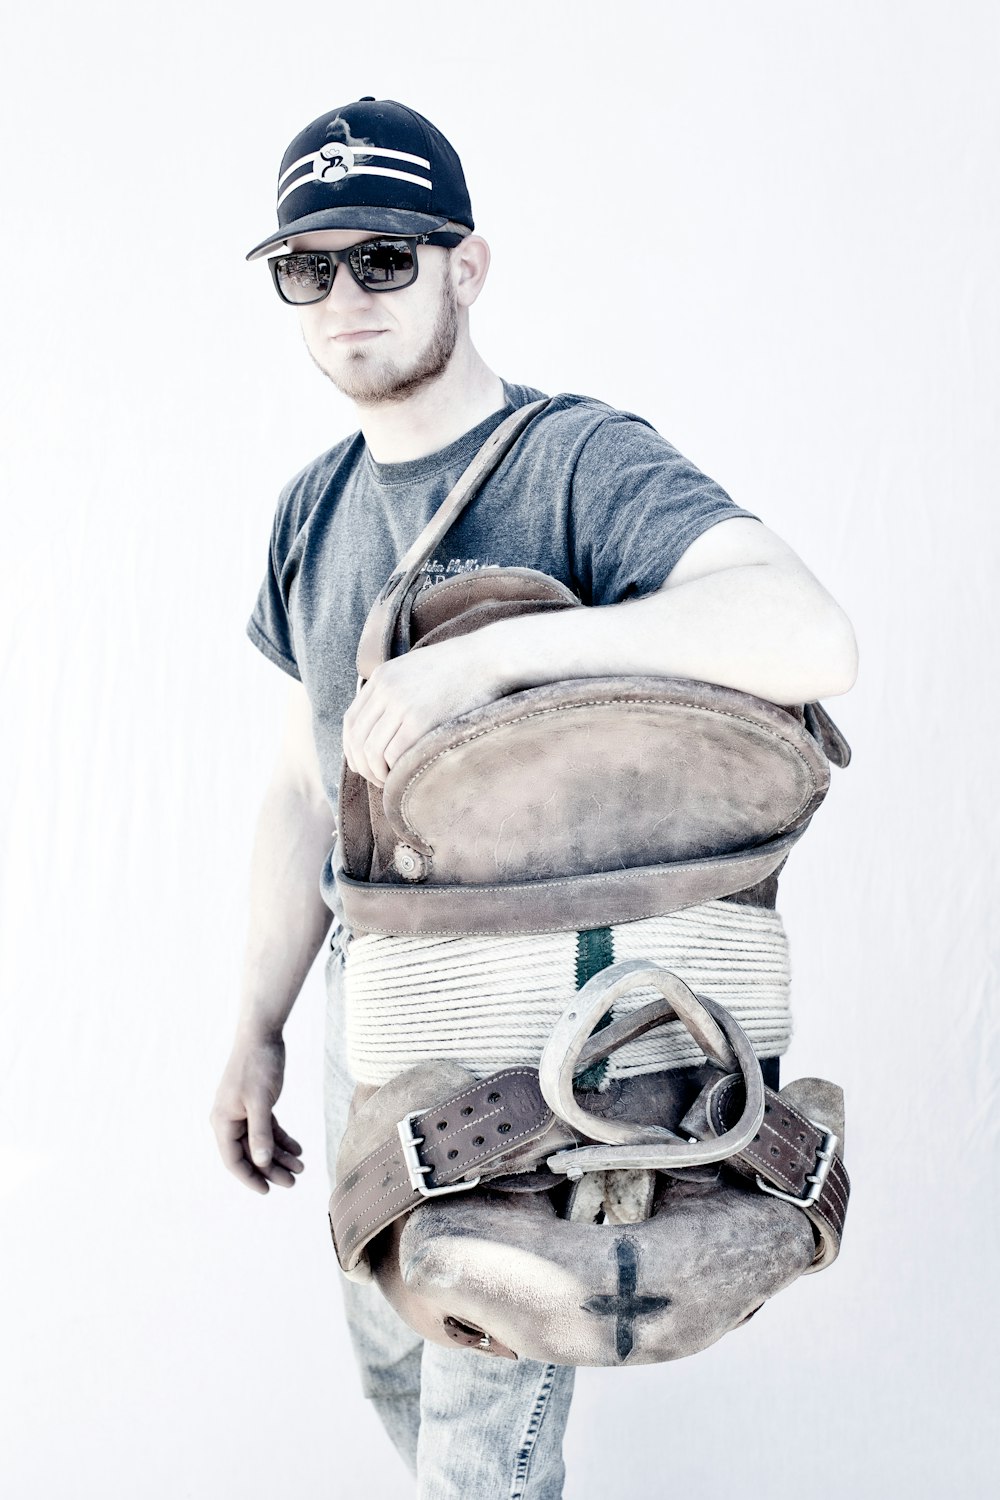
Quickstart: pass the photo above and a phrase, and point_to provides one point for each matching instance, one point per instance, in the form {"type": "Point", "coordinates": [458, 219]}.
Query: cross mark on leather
{"type": "Point", "coordinates": [624, 1305]}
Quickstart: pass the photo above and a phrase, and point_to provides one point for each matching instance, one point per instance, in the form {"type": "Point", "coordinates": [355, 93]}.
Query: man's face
{"type": "Point", "coordinates": [380, 347]}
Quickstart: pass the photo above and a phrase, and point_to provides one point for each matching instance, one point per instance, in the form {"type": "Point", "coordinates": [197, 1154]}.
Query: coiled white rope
{"type": "Point", "coordinates": [490, 1002]}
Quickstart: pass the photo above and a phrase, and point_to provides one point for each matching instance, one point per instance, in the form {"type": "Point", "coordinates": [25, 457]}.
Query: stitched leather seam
{"type": "Point", "coordinates": [831, 1186]}
{"type": "Point", "coordinates": [349, 1204]}
{"type": "Point", "coordinates": [611, 703]}
{"type": "Point", "coordinates": [388, 1152]}
{"type": "Point", "coordinates": [356, 1229]}
{"type": "Point", "coordinates": [482, 1155]}
{"type": "Point", "coordinates": [461, 581]}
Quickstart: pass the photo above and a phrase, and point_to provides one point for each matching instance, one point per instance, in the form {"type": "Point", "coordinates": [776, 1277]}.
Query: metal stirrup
{"type": "Point", "coordinates": [571, 1048]}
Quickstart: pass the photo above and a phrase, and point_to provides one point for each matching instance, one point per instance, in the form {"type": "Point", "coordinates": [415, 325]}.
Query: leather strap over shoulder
{"type": "Point", "coordinates": [375, 644]}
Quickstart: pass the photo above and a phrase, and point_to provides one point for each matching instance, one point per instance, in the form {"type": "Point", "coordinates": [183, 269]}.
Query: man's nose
{"type": "Point", "coordinates": [346, 292]}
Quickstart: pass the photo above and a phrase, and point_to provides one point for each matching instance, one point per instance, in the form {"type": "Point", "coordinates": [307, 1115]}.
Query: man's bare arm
{"type": "Point", "coordinates": [739, 609]}
{"type": "Point", "coordinates": [288, 922]}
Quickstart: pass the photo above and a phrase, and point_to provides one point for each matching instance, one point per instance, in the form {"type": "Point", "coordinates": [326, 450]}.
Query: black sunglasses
{"type": "Point", "coordinates": [378, 265]}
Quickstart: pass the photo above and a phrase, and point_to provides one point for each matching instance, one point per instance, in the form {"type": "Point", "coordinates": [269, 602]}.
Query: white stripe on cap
{"type": "Point", "coordinates": [423, 182]}
{"type": "Point", "coordinates": [418, 161]}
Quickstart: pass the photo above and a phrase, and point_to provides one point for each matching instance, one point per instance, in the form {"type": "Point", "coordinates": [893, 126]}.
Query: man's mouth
{"type": "Point", "coordinates": [357, 335]}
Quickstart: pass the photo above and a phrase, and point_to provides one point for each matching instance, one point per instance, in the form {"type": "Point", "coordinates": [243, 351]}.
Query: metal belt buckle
{"type": "Point", "coordinates": [824, 1161]}
{"type": "Point", "coordinates": [417, 1169]}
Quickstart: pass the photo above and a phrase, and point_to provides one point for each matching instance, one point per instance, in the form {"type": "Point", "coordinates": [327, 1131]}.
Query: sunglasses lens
{"type": "Point", "coordinates": [303, 278]}
{"type": "Point", "coordinates": [383, 264]}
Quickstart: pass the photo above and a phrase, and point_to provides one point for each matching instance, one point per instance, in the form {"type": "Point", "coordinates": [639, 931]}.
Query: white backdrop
{"type": "Point", "coordinates": [820, 335]}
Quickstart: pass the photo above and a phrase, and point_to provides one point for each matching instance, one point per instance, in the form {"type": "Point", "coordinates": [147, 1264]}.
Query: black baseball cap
{"type": "Point", "coordinates": [371, 165]}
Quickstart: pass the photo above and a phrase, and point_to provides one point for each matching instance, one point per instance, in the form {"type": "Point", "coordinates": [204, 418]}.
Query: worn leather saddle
{"type": "Point", "coordinates": [523, 1214]}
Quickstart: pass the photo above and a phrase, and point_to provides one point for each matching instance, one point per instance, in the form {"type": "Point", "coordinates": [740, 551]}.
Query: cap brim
{"type": "Point", "coordinates": [377, 218]}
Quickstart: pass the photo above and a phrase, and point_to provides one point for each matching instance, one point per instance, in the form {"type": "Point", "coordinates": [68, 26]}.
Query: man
{"type": "Point", "coordinates": [383, 266]}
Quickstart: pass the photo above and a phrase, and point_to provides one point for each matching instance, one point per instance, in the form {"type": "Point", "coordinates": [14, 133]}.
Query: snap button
{"type": "Point", "coordinates": [409, 863]}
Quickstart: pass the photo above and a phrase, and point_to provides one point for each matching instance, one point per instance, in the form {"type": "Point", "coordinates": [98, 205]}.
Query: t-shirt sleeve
{"type": "Point", "coordinates": [269, 626]}
{"type": "Point", "coordinates": [637, 505]}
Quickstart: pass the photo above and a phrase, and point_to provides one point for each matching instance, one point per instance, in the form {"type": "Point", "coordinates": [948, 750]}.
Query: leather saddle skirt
{"type": "Point", "coordinates": [578, 803]}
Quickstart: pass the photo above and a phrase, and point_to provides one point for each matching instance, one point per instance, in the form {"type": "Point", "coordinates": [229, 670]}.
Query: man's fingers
{"type": "Point", "coordinates": [365, 746]}
{"type": "Point", "coordinates": [231, 1136]}
{"type": "Point", "coordinates": [360, 719]}
{"type": "Point", "coordinates": [248, 1174]}
{"type": "Point", "coordinates": [279, 1176]}
{"type": "Point", "coordinates": [286, 1141]}
{"type": "Point", "coordinates": [286, 1159]}
{"type": "Point", "coordinates": [401, 741]}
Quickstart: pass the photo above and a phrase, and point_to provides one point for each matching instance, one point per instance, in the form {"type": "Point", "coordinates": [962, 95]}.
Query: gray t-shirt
{"type": "Point", "coordinates": [590, 495]}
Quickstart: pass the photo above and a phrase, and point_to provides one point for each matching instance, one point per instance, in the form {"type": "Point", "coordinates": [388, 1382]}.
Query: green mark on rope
{"type": "Point", "coordinates": [595, 950]}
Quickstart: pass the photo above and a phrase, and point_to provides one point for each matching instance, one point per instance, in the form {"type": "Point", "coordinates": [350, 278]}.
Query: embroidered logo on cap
{"type": "Point", "coordinates": [338, 159]}
{"type": "Point", "coordinates": [332, 162]}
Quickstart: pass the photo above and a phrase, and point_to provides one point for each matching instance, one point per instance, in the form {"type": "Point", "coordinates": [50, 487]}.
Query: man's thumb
{"type": "Point", "coordinates": [261, 1140]}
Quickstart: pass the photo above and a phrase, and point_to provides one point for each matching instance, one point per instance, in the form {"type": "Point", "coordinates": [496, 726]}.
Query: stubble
{"type": "Point", "coordinates": [369, 381]}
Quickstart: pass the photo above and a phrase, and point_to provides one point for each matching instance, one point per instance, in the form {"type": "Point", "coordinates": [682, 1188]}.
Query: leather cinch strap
{"type": "Point", "coordinates": [435, 1148]}
{"type": "Point", "coordinates": [445, 1148]}
{"type": "Point", "coordinates": [791, 1158]}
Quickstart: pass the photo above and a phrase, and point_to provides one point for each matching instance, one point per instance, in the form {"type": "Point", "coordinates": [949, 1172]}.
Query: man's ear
{"type": "Point", "coordinates": [470, 261]}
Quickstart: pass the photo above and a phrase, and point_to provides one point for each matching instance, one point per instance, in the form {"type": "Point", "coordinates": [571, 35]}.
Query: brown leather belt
{"type": "Point", "coordinates": [434, 1152]}
{"type": "Point", "coordinates": [445, 1149]}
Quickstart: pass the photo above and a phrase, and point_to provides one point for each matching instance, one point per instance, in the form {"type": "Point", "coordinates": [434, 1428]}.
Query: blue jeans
{"type": "Point", "coordinates": [468, 1426]}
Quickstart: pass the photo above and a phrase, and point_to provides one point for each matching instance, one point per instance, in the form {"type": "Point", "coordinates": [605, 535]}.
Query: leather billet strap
{"type": "Point", "coordinates": [437, 1147]}
{"type": "Point", "coordinates": [790, 1157]}
{"type": "Point", "coordinates": [375, 645]}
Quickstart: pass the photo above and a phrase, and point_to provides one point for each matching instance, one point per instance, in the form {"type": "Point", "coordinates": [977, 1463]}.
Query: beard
{"type": "Point", "coordinates": [369, 382]}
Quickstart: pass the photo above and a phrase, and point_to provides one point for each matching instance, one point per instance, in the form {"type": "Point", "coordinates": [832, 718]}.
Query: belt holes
{"type": "Point", "coordinates": [442, 1125]}
{"type": "Point", "coordinates": [767, 1109]}
{"type": "Point", "coordinates": [452, 1155]}
{"type": "Point", "coordinates": [801, 1136]}
{"type": "Point", "coordinates": [502, 1129]}
{"type": "Point", "coordinates": [493, 1098]}
{"type": "Point", "coordinates": [467, 1110]}
{"type": "Point", "coordinates": [757, 1136]}
{"type": "Point", "coordinates": [479, 1140]}
{"type": "Point", "coordinates": [785, 1124]}
{"type": "Point", "coordinates": [775, 1151]}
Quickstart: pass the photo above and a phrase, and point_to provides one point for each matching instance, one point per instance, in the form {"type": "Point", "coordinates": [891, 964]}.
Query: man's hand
{"type": "Point", "coordinates": [406, 697]}
{"type": "Point", "coordinates": [252, 1143]}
